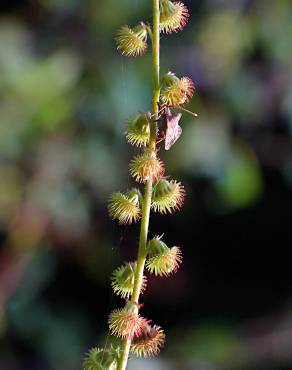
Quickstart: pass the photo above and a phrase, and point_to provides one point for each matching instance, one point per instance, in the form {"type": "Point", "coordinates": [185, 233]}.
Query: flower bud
{"type": "Point", "coordinates": [146, 166]}
{"type": "Point", "coordinates": [126, 322]}
{"type": "Point", "coordinates": [162, 261]}
{"type": "Point", "coordinates": [176, 91]}
{"type": "Point", "coordinates": [138, 129]}
{"type": "Point", "coordinates": [123, 280]}
{"type": "Point", "coordinates": [132, 41]}
{"type": "Point", "coordinates": [101, 359]}
{"type": "Point", "coordinates": [125, 207]}
{"type": "Point", "coordinates": [149, 342]}
{"type": "Point", "coordinates": [173, 16]}
{"type": "Point", "coordinates": [167, 196]}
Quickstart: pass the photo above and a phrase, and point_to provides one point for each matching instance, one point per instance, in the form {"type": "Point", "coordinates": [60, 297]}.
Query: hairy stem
{"type": "Point", "coordinates": [142, 252]}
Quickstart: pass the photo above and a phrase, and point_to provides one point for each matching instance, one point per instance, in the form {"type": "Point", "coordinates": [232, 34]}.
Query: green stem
{"type": "Point", "coordinates": [155, 57]}
{"type": "Point", "coordinates": [142, 251]}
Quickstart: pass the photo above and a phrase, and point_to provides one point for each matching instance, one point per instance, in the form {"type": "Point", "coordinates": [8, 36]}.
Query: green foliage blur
{"type": "Point", "coordinates": [65, 95]}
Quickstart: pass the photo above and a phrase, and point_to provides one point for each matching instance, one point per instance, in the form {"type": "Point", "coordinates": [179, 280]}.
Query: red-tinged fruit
{"type": "Point", "coordinates": [126, 322]}
{"type": "Point", "coordinates": [146, 166]}
{"type": "Point", "coordinates": [173, 16]}
{"type": "Point", "coordinates": [149, 342]}
{"type": "Point", "coordinates": [176, 91]}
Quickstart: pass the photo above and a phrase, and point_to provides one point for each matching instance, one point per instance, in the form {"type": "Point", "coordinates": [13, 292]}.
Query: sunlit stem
{"type": "Point", "coordinates": [142, 252]}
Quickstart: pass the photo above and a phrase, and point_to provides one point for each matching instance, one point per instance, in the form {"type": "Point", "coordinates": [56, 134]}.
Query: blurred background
{"type": "Point", "coordinates": [65, 94]}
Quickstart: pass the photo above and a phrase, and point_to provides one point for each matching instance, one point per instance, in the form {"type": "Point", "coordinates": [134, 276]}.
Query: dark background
{"type": "Point", "coordinates": [64, 96]}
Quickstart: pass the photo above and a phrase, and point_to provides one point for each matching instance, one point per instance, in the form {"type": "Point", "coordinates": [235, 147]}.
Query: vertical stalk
{"type": "Point", "coordinates": [142, 251]}
{"type": "Point", "coordinates": [155, 57]}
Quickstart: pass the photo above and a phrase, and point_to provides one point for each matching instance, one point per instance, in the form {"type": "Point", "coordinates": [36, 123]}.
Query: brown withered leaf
{"type": "Point", "coordinates": [173, 129]}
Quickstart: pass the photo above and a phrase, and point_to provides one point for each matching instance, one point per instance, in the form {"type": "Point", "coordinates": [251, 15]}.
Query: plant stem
{"type": "Point", "coordinates": [142, 251]}
{"type": "Point", "coordinates": [155, 58]}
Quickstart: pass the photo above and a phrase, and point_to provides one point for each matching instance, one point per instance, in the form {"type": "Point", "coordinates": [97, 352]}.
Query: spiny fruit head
{"type": "Point", "coordinates": [173, 16]}
{"type": "Point", "coordinates": [149, 342]}
{"type": "Point", "coordinates": [132, 42]}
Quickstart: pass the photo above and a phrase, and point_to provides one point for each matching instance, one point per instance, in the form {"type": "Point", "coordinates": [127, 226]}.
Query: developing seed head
{"type": "Point", "coordinates": [162, 261]}
{"type": "Point", "coordinates": [146, 166]}
{"type": "Point", "coordinates": [125, 207]}
{"type": "Point", "coordinates": [166, 263]}
{"type": "Point", "coordinates": [138, 129]}
{"type": "Point", "coordinates": [167, 196]}
{"type": "Point", "coordinates": [126, 322]}
{"type": "Point", "coordinates": [173, 16]}
{"type": "Point", "coordinates": [176, 91]}
{"type": "Point", "coordinates": [149, 342]}
{"type": "Point", "coordinates": [123, 280]}
{"type": "Point", "coordinates": [156, 246]}
{"type": "Point", "coordinates": [101, 359]}
{"type": "Point", "coordinates": [132, 42]}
